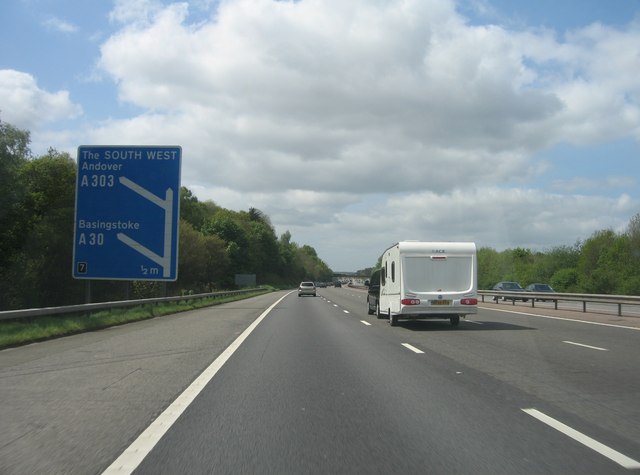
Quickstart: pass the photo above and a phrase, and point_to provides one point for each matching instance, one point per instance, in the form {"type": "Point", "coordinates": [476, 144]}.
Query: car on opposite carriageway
{"type": "Point", "coordinates": [538, 288]}
{"type": "Point", "coordinates": [509, 287]}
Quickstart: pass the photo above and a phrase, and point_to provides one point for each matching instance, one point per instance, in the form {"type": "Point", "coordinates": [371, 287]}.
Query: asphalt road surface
{"type": "Point", "coordinates": [319, 386]}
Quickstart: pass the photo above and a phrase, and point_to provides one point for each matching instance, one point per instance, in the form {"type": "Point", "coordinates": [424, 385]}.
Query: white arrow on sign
{"type": "Point", "coordinates": [167, 205]}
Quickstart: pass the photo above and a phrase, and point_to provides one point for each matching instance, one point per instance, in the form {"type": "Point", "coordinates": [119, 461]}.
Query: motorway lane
{"type": "Point", "coordinates": [71, 405]}
{"type": "Point", "coordinates": [315, 390]}
{"type": "Point", "coordinates": [599, 384]}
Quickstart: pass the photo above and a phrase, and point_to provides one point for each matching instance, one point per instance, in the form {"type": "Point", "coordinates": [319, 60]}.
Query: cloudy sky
{"type": "Point", "coordinates": [352, 123]}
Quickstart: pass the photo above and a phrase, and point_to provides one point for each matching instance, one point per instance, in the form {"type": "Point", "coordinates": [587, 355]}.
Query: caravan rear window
{"type": "Point", "coordinates": [453, 274]}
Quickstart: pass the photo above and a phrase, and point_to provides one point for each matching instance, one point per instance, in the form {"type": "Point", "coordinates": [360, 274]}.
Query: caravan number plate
{"type": "Point", "coordinates": [440, 302]}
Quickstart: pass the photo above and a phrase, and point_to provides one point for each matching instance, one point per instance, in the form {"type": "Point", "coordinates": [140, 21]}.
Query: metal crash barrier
{"type": "Point", "coordinates": [618, 300]}
{"type": "Point", "coordinates": [94, 307]}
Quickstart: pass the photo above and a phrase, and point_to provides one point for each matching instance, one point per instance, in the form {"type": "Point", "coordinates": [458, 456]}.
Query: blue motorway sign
{"type": "Point", "coordinates": [127, 213]}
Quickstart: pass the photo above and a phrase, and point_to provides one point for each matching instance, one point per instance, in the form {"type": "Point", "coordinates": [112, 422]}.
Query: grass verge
{"type": "Point", "coordinates": [30, 330]}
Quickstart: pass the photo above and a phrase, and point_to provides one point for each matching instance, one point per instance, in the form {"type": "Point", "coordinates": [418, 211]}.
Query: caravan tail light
{"type": "Point", "coordinates": [410, 301]}
{"type": "Point", "coordinates": [469, 302]}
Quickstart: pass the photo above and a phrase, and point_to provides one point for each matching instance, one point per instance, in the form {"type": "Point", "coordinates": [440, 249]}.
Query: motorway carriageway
{"type": "Point", "coordinates": [283, 384]}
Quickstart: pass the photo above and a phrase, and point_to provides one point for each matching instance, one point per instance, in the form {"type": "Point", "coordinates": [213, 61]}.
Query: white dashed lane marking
{"type": "Point", "coordinates": [602, 449]}
{"type": "Point", "coordinates": [412, 348]}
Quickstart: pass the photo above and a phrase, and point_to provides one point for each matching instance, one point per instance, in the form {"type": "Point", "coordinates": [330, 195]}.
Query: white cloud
{"type": "Point", "coordinates": [342, 89]}
{"type": "Point", "coordinates": [24, 104]}
{"type": "Point", "coordinates": [304, 109]}
{"type": "Point", "coordinates": [279, 75]}
{"type": "Point", "coordinates": [351, 230]}
{"type": "Point", "coordinates": [593, 75]}
{"type": "Point", "coordinates": [57, 24]}
{"type": "Point", "coordinates": [134, 11]}
{"type": "Point", "coordinates": [490, 216]}
{"type": "Point", "coordinates": [368, 122]}
{"type": "Point", "coordinates": [602, 184]}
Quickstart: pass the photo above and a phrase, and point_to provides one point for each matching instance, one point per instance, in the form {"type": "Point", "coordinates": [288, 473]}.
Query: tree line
{"type": "Point", "coordinates": [37, 202]}
{"type": "Point", "coordinates": [607, 262]}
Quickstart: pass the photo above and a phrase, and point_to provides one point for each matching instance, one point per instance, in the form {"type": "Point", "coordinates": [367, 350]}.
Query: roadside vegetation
{"type": "Point", "coordinates": [36, 239]}
{"type": "Point", "coordinates": [29, 330]}
{"type": "Point", "coordinates": [36, 244]}
{"type": "Point", "coordinates": [608, 262]}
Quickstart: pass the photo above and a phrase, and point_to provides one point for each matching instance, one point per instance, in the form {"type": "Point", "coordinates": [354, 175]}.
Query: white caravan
{"type": "Point", "coordinates": [434, 280]}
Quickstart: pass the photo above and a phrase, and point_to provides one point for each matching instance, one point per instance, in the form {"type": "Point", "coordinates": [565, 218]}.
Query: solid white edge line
{"type": "Point", "coordinates": [565, 319]}
{"type": "Point", "coordinates": [412, 348]}
{"type": "Point", "coordinates": [602, 449]}
{"type": "Point", "coordinates": [366, 322]}
{"type": "Point", "coordinates": [133, 455]}
{"type": "Point", "coordinates": [584, 346]}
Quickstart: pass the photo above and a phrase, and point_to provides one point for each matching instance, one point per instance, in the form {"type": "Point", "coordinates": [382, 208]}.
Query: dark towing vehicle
{"type": "Point", "coordinates": [373, 294]}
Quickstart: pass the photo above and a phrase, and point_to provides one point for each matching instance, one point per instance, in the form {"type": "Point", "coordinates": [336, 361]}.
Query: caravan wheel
{"type": "Point", "coordinates": [393, 319]}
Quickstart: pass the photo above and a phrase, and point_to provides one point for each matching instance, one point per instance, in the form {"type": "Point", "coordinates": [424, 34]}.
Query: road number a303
{"type": "Point", "coordinates": [98, 181]}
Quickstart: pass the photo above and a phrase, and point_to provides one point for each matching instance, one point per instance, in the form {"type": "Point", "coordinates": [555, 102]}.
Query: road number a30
{"type": "Point", "coordinates": [91, 239]}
